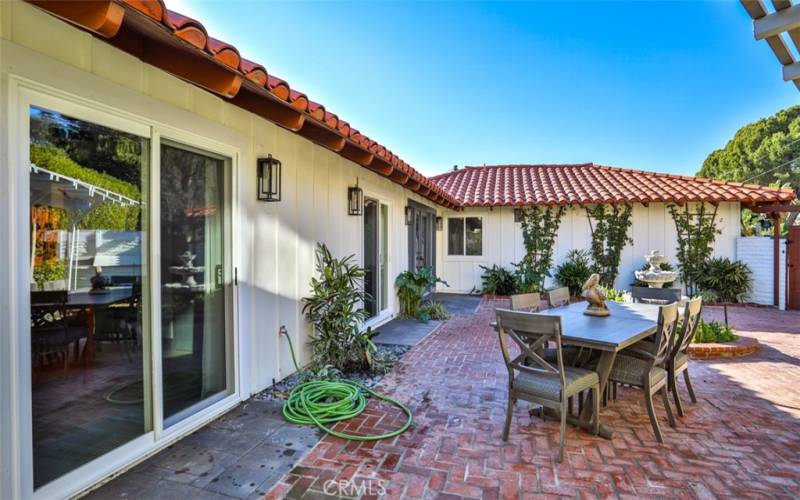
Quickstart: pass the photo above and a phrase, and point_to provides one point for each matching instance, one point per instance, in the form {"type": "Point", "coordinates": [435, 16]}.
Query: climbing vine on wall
{"type": "Point", "coordinates": [539, 231]}
{"type": "Point", "coordinates": [697, 231]}
{"type": "Point", "coordinates": [609, 225]}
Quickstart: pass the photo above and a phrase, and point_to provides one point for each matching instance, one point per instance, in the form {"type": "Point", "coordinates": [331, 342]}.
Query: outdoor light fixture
{"type": "Point", "coordinates": [355, 200]}
{"type": "Point", "coordinates": [439, 224]}
{"type": "Point", "coordinates": [517, 215]}
{"type": "Point", "coordinates": [269, 179]}
{"type": "Point", "coordinates": [409, 216]}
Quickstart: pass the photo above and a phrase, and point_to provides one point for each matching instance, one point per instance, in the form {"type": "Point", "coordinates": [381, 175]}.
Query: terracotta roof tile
{"type": "Point", "coordinates": [588, 183]}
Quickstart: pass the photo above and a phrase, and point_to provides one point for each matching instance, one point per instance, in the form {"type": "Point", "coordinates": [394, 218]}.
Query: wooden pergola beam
{"type": "Point", "coordinates": [777, 22]}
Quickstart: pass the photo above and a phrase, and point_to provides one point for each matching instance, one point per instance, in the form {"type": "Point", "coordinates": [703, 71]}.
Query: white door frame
{"type": "Point", "coordinates": [383, 315]}
{"type": "Point", "coordinates": [22, 93]}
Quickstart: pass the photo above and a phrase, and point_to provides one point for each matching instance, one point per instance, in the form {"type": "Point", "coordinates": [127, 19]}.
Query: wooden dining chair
{"type": "Point", "coordinates": [679, 358]}
{"type": "Point", "coordinates": [530, 302]}
{"type": "Point", "coordinates": [534, 379]}
{"type": "Point", "coordinates": [558, 297]}
{"type": "Point", "coordinates": [655, 295]}
{"type": "Point", "coordinates": [643, 365]}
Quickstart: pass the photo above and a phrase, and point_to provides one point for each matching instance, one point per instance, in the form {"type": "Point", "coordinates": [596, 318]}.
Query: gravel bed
{"type": "Point", "coordinates": [385, 357]}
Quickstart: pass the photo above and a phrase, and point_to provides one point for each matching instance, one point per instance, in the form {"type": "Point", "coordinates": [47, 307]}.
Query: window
{"type": "Point", "coordinates": [464, 236]}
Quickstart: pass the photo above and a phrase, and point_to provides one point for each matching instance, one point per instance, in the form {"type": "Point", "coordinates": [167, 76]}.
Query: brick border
{"type": "Point", "coordinates": [743, 346]}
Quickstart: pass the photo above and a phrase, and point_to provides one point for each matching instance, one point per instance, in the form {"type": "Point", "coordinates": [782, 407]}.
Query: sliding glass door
{"type": "Point", "coordinates": [376, 261]}
{"type": "Point", "coordinates": [130, 276]}
{"type": "Point", "coordinates": [195, 347]}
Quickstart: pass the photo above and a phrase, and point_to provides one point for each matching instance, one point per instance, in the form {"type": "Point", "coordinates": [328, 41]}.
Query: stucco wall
{"type": "Point", "coordinates": [275, 241]}
{"type": "Point", "coordinates": [652, 228]}
{"type": "Point", "coordinates": [757, 253]}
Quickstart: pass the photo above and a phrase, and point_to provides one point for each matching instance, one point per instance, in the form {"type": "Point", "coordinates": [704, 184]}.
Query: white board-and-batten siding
{"type": "Point", "coordinates": [652, 228]}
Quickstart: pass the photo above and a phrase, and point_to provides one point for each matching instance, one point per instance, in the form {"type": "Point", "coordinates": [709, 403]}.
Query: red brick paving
{"type": "Point", "coordinates": [742, 439]}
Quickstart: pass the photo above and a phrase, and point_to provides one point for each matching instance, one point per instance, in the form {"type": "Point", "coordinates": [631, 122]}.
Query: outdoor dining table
{"type": "Point", "coordinates": [627, 324]}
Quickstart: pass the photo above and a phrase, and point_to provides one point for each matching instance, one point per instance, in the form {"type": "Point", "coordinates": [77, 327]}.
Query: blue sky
{"type": "Point", "coordinates": [651, 86]}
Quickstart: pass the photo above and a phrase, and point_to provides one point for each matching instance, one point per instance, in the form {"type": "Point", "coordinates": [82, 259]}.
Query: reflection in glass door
{"type": "Point", "coordinates": [88, 331]}
{"type": "Point", "coordinates": [194, 334]}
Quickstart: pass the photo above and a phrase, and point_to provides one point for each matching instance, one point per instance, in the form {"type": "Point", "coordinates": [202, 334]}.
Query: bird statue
{"type": "Point", "coordinates": [595, 296]}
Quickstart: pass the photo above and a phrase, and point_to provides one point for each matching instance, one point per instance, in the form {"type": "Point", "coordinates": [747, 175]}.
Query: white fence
{"type": "Point", "coordinates": [757, 252]}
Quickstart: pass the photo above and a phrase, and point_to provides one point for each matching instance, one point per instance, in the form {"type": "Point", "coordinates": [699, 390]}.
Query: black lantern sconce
{"type": "Point", "coordinates": [269, 179]}
{"type": "Point", "coordinates": [409, 216]}
{"type": "Point", "coordinates": [439, 224]}
{"type": "Point", "coordinates": [355, 200]}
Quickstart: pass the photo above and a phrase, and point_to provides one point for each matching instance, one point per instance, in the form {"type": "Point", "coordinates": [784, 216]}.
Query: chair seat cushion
{"type": "Point", "coordinates": [634, 371]}
{"type": "Point", "coordinates": [569, 354]}
{"type": "Point", "coordinates": [549, 387]}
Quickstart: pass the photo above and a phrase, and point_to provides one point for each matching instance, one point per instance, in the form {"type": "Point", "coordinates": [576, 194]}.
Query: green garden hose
{"type": "Point", "coordinates": [321, 402]}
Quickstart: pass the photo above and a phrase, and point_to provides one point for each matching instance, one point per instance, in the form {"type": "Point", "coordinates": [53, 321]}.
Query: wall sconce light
{"type": "Point", "coordinates": [517, 215]}
{"type": "Point", "coordinates": [269, 179]}
{"type": "Point", "coordinates": [439, 224]}
{"type": "Point", "coordinates": [355, 200]}
{"type": "Point", "coordinates": [409, 216]}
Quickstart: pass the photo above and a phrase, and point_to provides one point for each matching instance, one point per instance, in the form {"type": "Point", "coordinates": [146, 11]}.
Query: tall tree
{"type": "Point", "coordinates": [764, 152]}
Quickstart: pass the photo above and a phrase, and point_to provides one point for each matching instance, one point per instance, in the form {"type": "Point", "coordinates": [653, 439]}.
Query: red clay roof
{"type": "Point", "coordinates": [516, 185]}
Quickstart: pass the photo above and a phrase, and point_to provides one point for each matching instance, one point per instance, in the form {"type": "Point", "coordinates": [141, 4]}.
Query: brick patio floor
{"type": "Point", "coordinates": [742, 439]}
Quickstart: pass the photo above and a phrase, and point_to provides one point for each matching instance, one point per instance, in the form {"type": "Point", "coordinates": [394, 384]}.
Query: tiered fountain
{"type": "Point", "coordinates": [654, 276]}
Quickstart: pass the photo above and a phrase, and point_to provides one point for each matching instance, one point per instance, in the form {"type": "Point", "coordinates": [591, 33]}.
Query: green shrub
{"type": "Point", "coordinates": [708, 296]}
{"type": "Point", "coordinates": [730, 279]}
{"type": "Point", "coordinates": [334, 309]}
{"type": "Point", "coordinates": [712, 333]}
{"type": "Point", "coordinates": [411, 287]}
{"type": "Point", "coordinates": [574, 271]}
{"type": "Point", "coordinates": [665, 266]}
{"type": "Point", "coordinates": [497, 280]}
{"type": "Point", "coordinates": [433, 310]}
{"type": "Point", "coordinates": [52, 270]}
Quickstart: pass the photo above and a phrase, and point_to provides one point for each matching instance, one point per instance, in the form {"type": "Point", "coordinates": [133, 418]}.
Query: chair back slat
{"type": "Point", "coordinates": [665, 333]}
{"type": "Point", "coordinates": [691, 318]}
{"type": "Point", "coordinates": [558, 297]}
{"type": "Point", "coordinates": [655, 295]}
{"type": "Point", "coordinates": [531, 332]}
{"type": "Point", "coordinates": [526, 301]}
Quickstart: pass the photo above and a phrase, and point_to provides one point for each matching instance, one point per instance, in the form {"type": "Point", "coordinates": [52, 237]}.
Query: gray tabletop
{"type": "Point", "coordinates": [627, 324]}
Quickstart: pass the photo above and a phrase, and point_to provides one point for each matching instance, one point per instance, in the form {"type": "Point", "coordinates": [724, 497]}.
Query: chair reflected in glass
{"type": "Point", "coordinates": [53, 331]}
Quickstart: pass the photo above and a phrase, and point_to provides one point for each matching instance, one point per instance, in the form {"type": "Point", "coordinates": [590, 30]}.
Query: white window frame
{"type": "Point", "coordinates": [446, 230]}
{"type": "Point", "coordinates": [22, 94]}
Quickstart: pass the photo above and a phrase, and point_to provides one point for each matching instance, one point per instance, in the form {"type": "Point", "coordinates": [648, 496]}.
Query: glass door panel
{"type": "Point", "coordinates": [194, 334]}
{"type": "Point", "coordinates": [384, 256]}
{"type": "Point", "coordinates": [89, 337]}
{"type": "Point", "coordinates": [371, 247]}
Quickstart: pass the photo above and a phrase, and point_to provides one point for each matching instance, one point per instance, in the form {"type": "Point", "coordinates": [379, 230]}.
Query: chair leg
{"type": "Point", "coordinates": [605, 394]}
{"type": "Point", "coordinates": [614, 391]}
{"type": "Point", "coordinates": [562, 432]}
{"type": "Point", "coordinates": [570, 405]}
{"type": "Point", "coordinates": [675, 395]}
{"type": "Point", "coordinates": [648, 400]}
{"type": "Point", "coordinates": [665, 399]}
{"type": "Point", "coordinates": [509, 416]}
{"type": "Point", "coordinates": [580, 402]}
{"type": "Point", "coordinates": [596, 400]}
{"type": "Point", "coordinates": [689, 385]}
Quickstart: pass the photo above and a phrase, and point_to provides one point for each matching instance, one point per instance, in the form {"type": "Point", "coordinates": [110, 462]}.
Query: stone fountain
{"type": "Point", "coordinates": [654, 276]}
{"type": "Point", "coordinates": [186, 272]}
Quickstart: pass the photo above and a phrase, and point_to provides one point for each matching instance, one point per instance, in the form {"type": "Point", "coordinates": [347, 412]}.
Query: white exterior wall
{"type": "Point", "coordinates": [757, 252]}
{"type": "Point", "coordinates": [652, 228]}
{"type": "Point", "coordinates": [274, 242]}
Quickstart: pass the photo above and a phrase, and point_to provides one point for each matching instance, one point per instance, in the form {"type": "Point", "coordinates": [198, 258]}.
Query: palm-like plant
{"type": "Point", "coordinates": [335, 309]}
{"type": "Point", "coordinates": [730, 280]}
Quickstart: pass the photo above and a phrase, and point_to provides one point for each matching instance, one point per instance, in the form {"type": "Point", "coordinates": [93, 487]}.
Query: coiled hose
{"type": "Point", "coordinates": [321, 402]}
